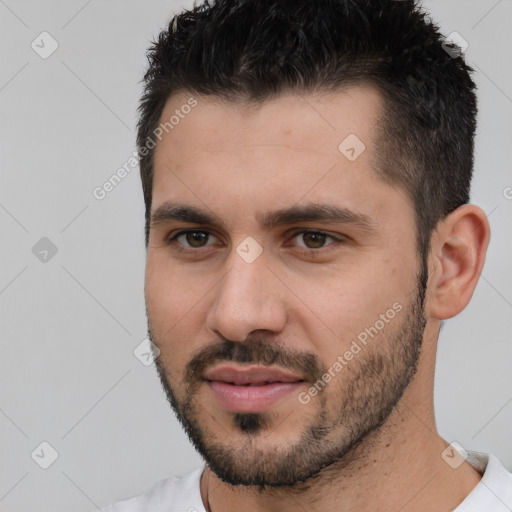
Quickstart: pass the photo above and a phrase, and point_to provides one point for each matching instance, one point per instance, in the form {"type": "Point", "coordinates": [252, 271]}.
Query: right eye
{"type": "Point", "coordinates": [190, 239]}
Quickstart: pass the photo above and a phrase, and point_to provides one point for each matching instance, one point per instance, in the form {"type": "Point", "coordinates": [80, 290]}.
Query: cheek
{"type": "Point", "coordinates": [169, 292]}
{"type": "Point", "coordinates": [174, 306]}
{"type": "Point", "coordinates": [342, 307]}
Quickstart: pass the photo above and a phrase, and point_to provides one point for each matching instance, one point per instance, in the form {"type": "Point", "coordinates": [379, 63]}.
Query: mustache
{"type": "Point", "coordinates": [259, 349]}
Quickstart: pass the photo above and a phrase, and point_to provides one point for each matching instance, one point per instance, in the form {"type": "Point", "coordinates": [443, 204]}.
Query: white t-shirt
{"type": "Point", "coordinates": [492, 494]}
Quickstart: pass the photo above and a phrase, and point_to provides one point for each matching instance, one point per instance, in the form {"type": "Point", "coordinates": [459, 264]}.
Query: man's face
{"type": "Point", "coordinates": [322, 317]}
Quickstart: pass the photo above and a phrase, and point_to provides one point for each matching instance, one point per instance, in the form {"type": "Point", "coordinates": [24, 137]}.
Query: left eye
{"type": "Point", "coordinates": [312, 239]}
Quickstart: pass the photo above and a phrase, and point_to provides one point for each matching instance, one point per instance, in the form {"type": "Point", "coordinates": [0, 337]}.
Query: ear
{"type": "Point", "coordinates": [457, 256]}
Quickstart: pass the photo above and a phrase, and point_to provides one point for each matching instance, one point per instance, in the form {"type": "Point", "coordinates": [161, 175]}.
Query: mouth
{"type": "Point", "coordinates": [253, 384]}
{"type": "Point", "coordinates": [250, 375]}
{"type": "Point", "coordinates": [250, 389]}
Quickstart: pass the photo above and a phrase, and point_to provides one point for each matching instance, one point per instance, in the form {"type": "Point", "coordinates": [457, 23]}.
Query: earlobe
{"type": "Point", "coordinates": [458, 251]}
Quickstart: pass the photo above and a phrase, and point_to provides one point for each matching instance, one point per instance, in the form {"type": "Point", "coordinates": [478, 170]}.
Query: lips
{"type": "Point", "coordinates": [250, 389]}
{"type": "Point", "coordinates": [251, 376]}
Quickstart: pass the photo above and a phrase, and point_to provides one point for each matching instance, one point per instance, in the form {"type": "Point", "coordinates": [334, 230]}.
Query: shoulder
{"type": "Point", "coordinates": [494, 491]}
{"type": "Point", "coordinates": [174, 493]}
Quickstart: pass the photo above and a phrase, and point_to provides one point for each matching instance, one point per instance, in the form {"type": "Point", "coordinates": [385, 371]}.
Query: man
{"type": "Point", "coordinates": [306, 167]}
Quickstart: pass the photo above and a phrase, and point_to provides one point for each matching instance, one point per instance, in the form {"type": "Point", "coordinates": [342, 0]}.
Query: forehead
{"type": "Point", "coordinates": [314, 123]}
{"type": "Point", "coordinates": [295, 147]}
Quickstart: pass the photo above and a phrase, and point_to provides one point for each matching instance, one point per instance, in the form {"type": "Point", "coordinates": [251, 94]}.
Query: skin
{"type": "Point", "coordinates": [236, 161]}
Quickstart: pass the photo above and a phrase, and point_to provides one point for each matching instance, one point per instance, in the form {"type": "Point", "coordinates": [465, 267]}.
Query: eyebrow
{"type": "Point", "coordinates": [312, 212]}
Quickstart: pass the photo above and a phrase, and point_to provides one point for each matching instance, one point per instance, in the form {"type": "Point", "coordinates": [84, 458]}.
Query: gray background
{"type": "Point", "coordinates": [70, 325]}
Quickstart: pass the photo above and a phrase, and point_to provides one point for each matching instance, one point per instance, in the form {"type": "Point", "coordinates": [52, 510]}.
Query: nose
{"type": "Point", "coordinates": [248, 298]}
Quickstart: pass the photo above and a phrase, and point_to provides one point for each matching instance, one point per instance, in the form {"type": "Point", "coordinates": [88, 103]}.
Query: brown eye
{"type": "Point", "coordinates": [312, 239]}
{"type": "Point", "coordinates": [196, 238]}
{"type": "Point", "coordinates": [192, 239]}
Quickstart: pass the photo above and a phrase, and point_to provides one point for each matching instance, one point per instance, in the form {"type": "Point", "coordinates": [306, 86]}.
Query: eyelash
{"type": "Point", "coordinates": [305, 251]}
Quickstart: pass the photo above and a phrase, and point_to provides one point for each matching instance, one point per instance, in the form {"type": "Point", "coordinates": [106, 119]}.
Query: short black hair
{"type": "Point", "coordinates": [253, 50]}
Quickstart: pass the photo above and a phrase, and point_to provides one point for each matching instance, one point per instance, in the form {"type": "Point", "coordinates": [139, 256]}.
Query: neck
{"type": "Point", "coordinates": [397, 468]}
